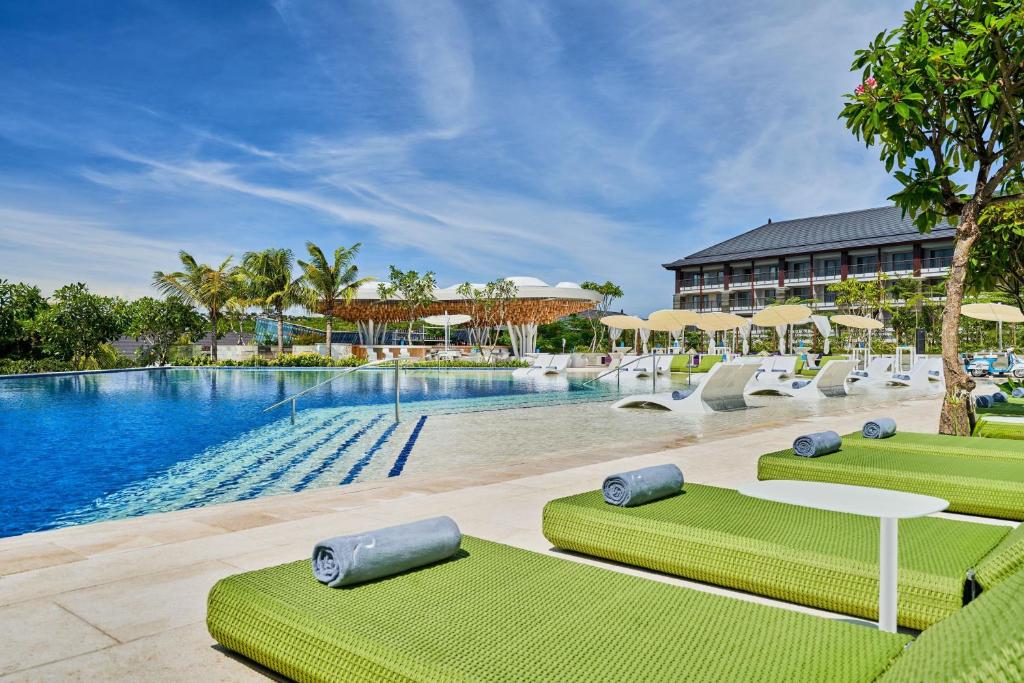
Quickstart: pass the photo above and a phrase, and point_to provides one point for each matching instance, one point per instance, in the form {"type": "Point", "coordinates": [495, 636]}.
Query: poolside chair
{"type": "Point", "coordinates": [935, 371]}
{"type": "Point", "coordinates": [721, 389]}
{"type": "Point", "coordinates": [663, 364]}
{"type": "Point", "coordinates": [878, 370]}
{"type": "Point", "coordinates": [557, 364]}
{"type": "Point", "coordinates": [983, 486]}
{"type": "Point", "coordinates": [944, 444]}
{"type": "Point", "coordinates": [1000, 427]}
{"type": "Point", "coordinates": [499, 613]}
{"type": "Point", "coordinates": [802, 555]}
{"type": "Point", "coordinates": [537, 367]}
{"type": "Point", "coordinates": [915, 378]}
{"type": "Point", "coordinates": [829, 381]}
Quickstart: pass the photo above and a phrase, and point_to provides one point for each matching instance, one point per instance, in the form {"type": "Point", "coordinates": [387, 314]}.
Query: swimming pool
{"type": "Point", "coordinates": [83, 448]}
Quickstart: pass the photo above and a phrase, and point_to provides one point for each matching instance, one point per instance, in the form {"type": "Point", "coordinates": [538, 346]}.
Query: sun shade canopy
{"type": "Point", "coordinates": [859, 322]}
{"type": "Point", "coordinates": [716, 322]}
{"type": "Point", "coordinates": [993, 312]}
{"type": "Point", "coordinates": [781, 315]}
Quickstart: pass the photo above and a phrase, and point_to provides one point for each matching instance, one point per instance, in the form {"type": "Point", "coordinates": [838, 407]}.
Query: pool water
{"type": "Point", "coordinates": [83, 448]}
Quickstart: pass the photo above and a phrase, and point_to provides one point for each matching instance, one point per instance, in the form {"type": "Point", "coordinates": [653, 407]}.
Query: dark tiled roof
{"type": "Point", "coordinates": [864, 228]}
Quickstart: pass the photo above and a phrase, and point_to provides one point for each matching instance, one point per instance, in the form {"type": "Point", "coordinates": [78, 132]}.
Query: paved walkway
{"type": "Point", "coordinates": [125, 600]}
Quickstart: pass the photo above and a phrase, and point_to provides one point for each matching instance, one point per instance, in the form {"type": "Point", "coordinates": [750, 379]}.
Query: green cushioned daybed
{"type": "Point", "coordinates": [798, 554]}
{"type": "Point", "coordinates": [997, 429]}
{"type": "Point", "coordinates": [988, 487]}
{"type": "Point", "coordinates": [1012, 408]}
{"type": "Point", "coordinates": [965, 446]}
{"type": "Point", "coordinates": [498, 613]}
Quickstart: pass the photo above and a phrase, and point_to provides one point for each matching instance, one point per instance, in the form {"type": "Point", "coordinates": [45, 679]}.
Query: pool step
{"type": "Point", "coordinates": [326, 447]}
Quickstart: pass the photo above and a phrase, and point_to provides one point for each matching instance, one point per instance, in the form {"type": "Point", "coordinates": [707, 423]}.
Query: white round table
{"type": "Point", "coordinates": [888, 506]}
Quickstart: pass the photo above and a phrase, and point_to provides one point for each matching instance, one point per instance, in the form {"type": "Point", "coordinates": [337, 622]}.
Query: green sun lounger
{"type": "Point", "coordinates": [1012, 408]}
{"type": "Point", "coordinates": [798, 554]}
{"type": "Point", "coordinates": [964, 446]}
{"type": "Point", "coordinates": [988, 487]}
{"type": "Point", "coordinates": [497, 613]}
{"type": "Point", "coordinates": [995, 429]}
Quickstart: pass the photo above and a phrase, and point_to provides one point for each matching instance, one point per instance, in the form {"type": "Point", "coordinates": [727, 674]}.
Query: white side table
{"type": "Point", "coordinates": [888, 506]}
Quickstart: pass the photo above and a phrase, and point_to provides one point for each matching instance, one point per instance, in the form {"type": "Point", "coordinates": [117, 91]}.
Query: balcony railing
{"type": "Point", "coordinates": [937, 263]}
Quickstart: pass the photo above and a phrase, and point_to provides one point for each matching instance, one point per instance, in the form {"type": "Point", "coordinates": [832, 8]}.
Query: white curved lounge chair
{"type": "Point", "coordinates": [557, 364]}
{"type": "Point", "coordinates": [915, 378]}
{"type": "Point", "coordinates": [537, 367]}
{"type": "Point", "coordinates": [722, 389]}
{"type": "Point", "coordinates": [877, 370]}
{"type": "Point", "coordinates": [935, 372]}
{"type": "Point", "coordinates": [663, 366]}
{"type": "Point", "coordinates": [829, 382]}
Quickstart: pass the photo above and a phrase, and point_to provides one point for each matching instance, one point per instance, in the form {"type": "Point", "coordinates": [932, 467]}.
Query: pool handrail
{"type": "Point", "coordinates": [347, 371]}
{"type": "Point", "coordinates": [618, 376]}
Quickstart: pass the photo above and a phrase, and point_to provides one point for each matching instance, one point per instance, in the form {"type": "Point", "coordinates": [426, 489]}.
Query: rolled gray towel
{"type": "Point", "coordinates": [357, 558]}
{"type": "Point", "coordinates": [637, 487]}
{"type": "Point", "coordinates": [905, 378]}
{"type": "Point", "coordinates": [800, 383]}
{"type": "Point", "coordinates": [983, 401]}
{"type": "Point", "coordinates": [879, 428]}
{"type": "Point", "coordinates": [1018, 392]}
{"type": "Point", "coordinates": [818, 443]}
{"type": "Point", "coordinates": [680, 394]}
{"type": "Point", "coordinates": [999, 397]}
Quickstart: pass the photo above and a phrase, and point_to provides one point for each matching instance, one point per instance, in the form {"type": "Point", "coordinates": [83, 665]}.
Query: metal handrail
{"type": "Point", "coordinates": [654, 371]}
{"type": "Point", "coordinates": [347, 371]}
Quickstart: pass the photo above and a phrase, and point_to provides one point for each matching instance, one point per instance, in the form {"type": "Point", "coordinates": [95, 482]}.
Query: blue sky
{"type": "Point", "coordinates": [564, 140]}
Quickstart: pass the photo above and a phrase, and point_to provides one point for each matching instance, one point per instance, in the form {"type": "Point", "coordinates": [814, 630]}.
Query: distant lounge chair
{"type": "Point", "coordinates": [802, 555]}
{"type": "Point", "coordinates": [663, 366]}
{"type": "Point", "coordinates": [537, 367]}
{"type": "Point", "coordinates": [943, 444]}
{"type": "Point", "coordinates": [500, 613]}
{"type": "Point", "coordinates": [721, 389]}
{"type": "Point", "coordinates": [999, 427]}
{"type": "Point", "coordinates": [830, 381]}
{"type": "Point", "coordinates": [557, 364]}
{"type": "Point", "coordinates": [915, 378]}
{"type": "Point", "coordinates": [878, 370]}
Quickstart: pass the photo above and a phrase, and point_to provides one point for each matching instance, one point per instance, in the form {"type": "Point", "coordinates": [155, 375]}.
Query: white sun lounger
{"type": "Point", "coordinates": [935, 372]}
{"type": "Point", "coordinates": [829, 382]}
{"type": "Point", "coordinates": [915, 378]}
{"type": "Point", "coordinates": [722, 389]}
{"type": "Point", "coordinates": [635, 366]}
{"type": "Point", "coordinates": [537, 367]}
{"type": "Point", "coordinates": [557, 364]}
{"type": "Point", "coordinates": [878, 370]}
{"type": "Point", "coordinates": [664, 364]}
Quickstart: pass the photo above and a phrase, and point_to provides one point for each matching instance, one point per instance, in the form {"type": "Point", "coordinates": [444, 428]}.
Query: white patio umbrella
{"type": "Point", "coordinates": [786, 314]}
{"type": "Point", "coordinates": [860, 322]}
{"type": "Point", "coordinates": [999, 313]}
{"type": "Point", "coordinates": [447, 321]}
{"type": "Point", "coordinates": [622, 322]}
{"type": "Point", "coordinates": [720, 322]}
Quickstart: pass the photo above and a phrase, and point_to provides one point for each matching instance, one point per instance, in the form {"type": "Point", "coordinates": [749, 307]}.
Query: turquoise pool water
{"type": "Point", "coordinates": [83, 448]}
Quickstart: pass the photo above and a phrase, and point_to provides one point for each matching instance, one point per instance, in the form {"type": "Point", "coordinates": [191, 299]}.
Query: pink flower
{"type": "Point", "coordinates": [871, 82]}
{"type": "Point", "coordinates": [859, 90]}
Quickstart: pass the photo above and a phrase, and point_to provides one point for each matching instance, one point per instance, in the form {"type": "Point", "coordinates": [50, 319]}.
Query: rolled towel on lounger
{"type": "Point", "coordinates": [800, 383]}
{"type": "Point", "coordinates": [817, 443]}
{"type": "Point", "coordinates": [357, 558]}
{"type": "Point", "coordinates": [879, 428]}
{"type": "Point", "coordinates": [637, 487]}
{"type": "Point", "coordinates": [999, 397]}
{"type": "Point", "coordinates": [1018, 392]}
{"type": "Point", "coordinates": [680, 394]}
{"type": "Point", "coordinates": [983, 401]}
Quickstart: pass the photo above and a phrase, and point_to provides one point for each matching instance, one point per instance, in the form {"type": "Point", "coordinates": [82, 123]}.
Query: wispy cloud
{"type": "Point", "coordinates": [477, 140]}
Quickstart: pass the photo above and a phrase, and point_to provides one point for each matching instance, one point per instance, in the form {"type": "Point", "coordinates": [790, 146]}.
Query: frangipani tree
{"type": "Point", "coordinates": [943, 98]}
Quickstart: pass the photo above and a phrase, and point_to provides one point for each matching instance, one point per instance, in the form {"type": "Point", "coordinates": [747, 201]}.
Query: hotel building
{"type": "Point", "coordinates": [801, 257]}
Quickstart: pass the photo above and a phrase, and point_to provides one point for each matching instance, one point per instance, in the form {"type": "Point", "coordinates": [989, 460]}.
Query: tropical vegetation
{"type": "Point", "coordinates": [942, 96]}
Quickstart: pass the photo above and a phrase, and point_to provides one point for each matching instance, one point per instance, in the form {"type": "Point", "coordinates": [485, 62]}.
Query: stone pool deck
{"type": "Point", "coordinates": [125, 600]}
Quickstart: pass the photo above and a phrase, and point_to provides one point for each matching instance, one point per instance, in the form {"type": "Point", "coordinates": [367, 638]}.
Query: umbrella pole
{"type": "Point", "coordinates": [1000, 323]}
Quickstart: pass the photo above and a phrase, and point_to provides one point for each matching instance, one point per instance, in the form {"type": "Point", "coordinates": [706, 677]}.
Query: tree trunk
{"type": "Point", "coordinates": [329, 335]}
{"type": "Point", "coordinates": [280, 333]}
{"type": "Point", "coordinates": [957, 409]}
{"type": "Point", "coordinates": [213, 329]}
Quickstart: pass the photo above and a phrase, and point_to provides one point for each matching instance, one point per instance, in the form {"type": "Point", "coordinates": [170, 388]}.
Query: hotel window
{"type": "Point", "coordinates": [865, 264]}
{"type": "Point", "coordinates": [741, 299]}
{"type": "Point", "coordinates": [939, 258]}
{"type": "Point", "coordinates": [903, 260]}
{"type": "Point", "coordinates": [799, 271]}
{"type": "Point", "coordinates": [828, 267]}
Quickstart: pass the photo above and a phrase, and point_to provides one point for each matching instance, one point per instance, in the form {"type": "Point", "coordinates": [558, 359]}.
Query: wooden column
{"type": "Point", "coordinates": [844, 264]}
{"type": "Point", "coordinates": [918, 257]}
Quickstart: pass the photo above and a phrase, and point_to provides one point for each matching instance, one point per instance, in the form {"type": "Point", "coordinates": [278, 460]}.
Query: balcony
{"type": "Point", "coordinates": [710, 282]}
{"type": "Point", "coordinates": [936, 266]}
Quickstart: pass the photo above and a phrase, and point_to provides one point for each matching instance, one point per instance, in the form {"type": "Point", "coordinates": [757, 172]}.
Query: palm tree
{"type": "Point", "coordinates": [201, 285]}
{"type": "Point", "coordinates": [269, 283]}
{"type": "Point", "coordinates": [327, 282]}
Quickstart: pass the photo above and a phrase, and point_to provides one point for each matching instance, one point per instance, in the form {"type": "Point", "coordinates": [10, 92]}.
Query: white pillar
{"type": "Point", "coordinates": [888, 565]}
